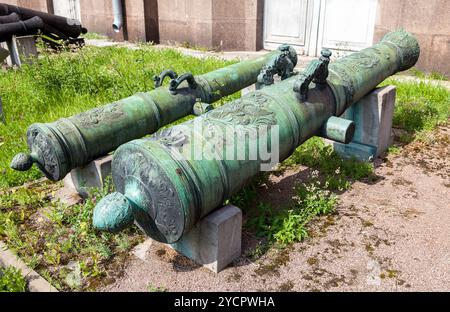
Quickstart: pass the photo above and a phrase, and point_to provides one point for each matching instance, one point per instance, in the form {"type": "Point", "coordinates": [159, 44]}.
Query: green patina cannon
{"type": "Point", "coordinates": [73, 142]}
{"type": "Point", "coordinates": [166, 189]}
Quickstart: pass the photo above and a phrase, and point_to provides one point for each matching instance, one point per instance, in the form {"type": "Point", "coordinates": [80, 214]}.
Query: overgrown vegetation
{"type": "Point", "coordinates": [11, 280]}
{"type": "Point", "coordinates": [93, 35]}
{"type": "Point", "coordinates": [59, 242]}
{"type": "Point", "coordinates": [420, 106]}
{"type": "Point", "coordinates": [61, 85]}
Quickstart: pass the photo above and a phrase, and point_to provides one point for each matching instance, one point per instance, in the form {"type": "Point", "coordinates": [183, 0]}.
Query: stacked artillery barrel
{"type": "Point", "coordinates": [58, 147]}
{"type": "Point", "coordinates": [56, 30]}
{"type": "Point", "coordinates": [167, 191]}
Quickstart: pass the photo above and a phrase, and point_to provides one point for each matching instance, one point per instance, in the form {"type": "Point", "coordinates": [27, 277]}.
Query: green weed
{"type": "Point", "coordinates": [337, 173]}
{"type": "Point", "coordinates": [59, 242]}
{"type": "Point", "coordinates": [420, 106]}
{"type": "Point", "coordinates": [152, 288]}
{"type": "Point", "coordinates": [285, 226]}
{"type": "Point", "coordinates": [433, 75]}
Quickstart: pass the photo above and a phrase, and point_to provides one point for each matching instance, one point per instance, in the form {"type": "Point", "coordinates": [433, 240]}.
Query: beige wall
{"type": "Point", "coordinates": [428, 20]}
{"type": "Point", "coordinates": [97, 16]}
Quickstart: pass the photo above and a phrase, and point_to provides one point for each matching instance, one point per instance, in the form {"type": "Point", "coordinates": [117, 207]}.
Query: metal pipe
{"type": "Point", "coordinates": [11, 18]}
{"type": "Point", "coordinates": [28, 27]}
{"type": "Point", "coordinates": [118, 15]}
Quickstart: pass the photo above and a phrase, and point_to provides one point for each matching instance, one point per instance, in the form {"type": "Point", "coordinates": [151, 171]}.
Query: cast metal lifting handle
{"type": "Point", "coordinates": [316, 71]}
{"type": "Point", "coordinates": [165, 73]}
{"type": "Point", "coordinates": [174, 83]}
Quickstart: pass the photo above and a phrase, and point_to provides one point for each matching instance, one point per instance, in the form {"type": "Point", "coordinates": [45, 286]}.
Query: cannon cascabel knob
{"type": "Point", "coordinates": [113, 213]}
{"type": "Point", "coordinates": [22, 162]}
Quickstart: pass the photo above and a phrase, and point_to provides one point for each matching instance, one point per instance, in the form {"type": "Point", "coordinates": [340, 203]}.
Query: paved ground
{"type": "Point", "coordinates": [391, 235]}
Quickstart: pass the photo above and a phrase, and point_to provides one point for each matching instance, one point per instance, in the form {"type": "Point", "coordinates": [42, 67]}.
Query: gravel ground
{"type": "Point", "coordinates": [390, 235]}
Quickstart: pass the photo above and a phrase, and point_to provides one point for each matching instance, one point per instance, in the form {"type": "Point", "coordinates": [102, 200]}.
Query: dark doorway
{"type": "Point", "coordinates": [151, 20]}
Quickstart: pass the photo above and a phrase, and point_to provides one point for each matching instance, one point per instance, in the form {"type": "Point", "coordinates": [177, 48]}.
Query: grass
{"type": "Point", "coordinates": [420, 106]}
{"type": "Point", "coordinates": [433, 75]}
{"type": "Point", "coordinates": [93, 35]}
{"type": "Point", "coordinates": [61, 85]}
{"type": "Point", "coordinates": [11, 280]}
{"type": "Point", "coordinates": [59, 242]}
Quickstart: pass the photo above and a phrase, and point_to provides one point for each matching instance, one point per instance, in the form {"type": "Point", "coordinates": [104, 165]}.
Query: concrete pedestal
{"type": "Point", "coordinates": [21, 50]}
{"type": "Point", "coordinates": [92, 175]}
{"type": "Point", "coordinates": [373, 118]}
{"type": "Point", "coordinates": [215, 241]}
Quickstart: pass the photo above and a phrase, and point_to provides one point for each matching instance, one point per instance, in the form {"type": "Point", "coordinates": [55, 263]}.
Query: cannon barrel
{"type": "Point", "coordinates": [166, 189]}
{"type": "Point", "coordinates": [21, 28]}
{"type": "Point", "coordinates": [68, 26]}
{"type": "Point", "coordinates": [72, 142]}
{"type": "Point", "coordinates": [11, 18]}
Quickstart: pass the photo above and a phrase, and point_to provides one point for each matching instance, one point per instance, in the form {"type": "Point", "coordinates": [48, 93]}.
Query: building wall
{"type": "Point", "coordinates": [40, 5]}
{"type": "Point", "coordinates": [97, 16]}
{"type": "Point", "coordinates": [428, 20]}
{"type": "Point", "coordinates": [238, 24]}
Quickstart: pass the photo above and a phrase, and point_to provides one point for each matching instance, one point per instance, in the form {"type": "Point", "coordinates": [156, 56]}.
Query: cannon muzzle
{"type": "Point", "coordinates": [167, 182]}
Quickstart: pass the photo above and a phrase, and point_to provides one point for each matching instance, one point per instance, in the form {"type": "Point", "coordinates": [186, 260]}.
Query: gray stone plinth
{"type": "Point", "coordinates": [215, 241]}
{"type": "Point", "coordinates": [21, 50]}
{"type": "Point", "coordinates": [90, 176]}
{"type": "Point", "coordinates": [373, 118]}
